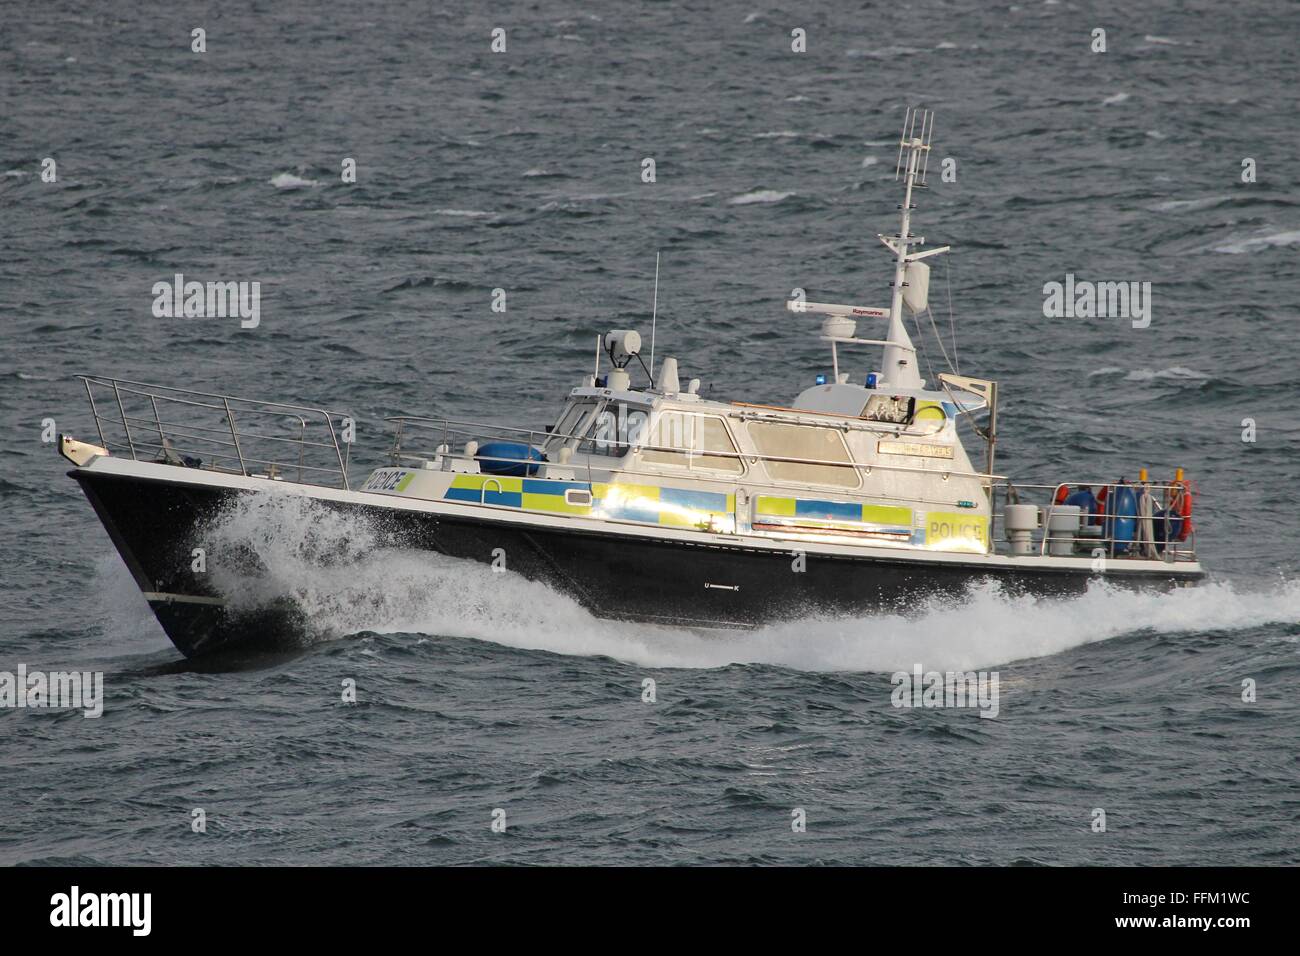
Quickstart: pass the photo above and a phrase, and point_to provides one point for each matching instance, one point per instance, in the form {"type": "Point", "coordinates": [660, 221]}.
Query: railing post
{"type": "Point", "coordinates": [347, 458]}
{"type": "Point", "coordinates": [1109, 525]}
{"type": "Point", "coordinates": [993, 517]}
{"type": "Point", "coordinates": [162, 439]}
{"type": "Point", "coordinates": [126, 427]}
{"type": "Point", "coordinates": [397, 441]}
{"type": "Point", "coordinates": [334, 437]}
{"type": "Point", "coordinates": [234, 436]}
{"type": "Point", "coordinates": [99, 425]}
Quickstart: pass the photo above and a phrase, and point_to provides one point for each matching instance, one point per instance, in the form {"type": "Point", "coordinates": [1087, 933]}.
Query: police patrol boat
{"type": "Point", "coordinates": [645, 500]}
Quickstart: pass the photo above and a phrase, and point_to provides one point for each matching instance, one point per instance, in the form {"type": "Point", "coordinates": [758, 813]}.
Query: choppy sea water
{"type": "Point", "coordinates": [774, 170]}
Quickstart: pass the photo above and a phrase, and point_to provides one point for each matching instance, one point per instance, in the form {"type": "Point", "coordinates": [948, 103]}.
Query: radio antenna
{"type": "Point", "coordinates": [654, 317]}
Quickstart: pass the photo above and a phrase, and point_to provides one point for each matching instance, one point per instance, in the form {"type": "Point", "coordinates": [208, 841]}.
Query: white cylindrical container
{"type": "Point", "coordinates": [1020, 522]}
{"type": "Point", "coordinates": [916, 286]}
{"type": "Point", "coordinates": [668, 382]}
{"type": "Point", "coordinates": [1062, 529]}
{"type": "Point", "coordinates": [839, 327]}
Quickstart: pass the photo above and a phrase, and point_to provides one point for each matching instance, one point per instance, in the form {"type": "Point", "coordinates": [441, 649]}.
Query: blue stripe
{"type": "Point", "coordinates": [511, 499]}
{"type": "Point", "coordinates": [543, 486]}
{"type": "Point", "coordinates": [827, 510]}
{"type": "Point", "coordinates": [696, 500]}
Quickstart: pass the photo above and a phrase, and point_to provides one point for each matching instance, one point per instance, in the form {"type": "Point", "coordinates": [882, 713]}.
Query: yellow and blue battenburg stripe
{"type": "Point", "coordinates": [819, 515]}
{"type": "Point", "coordinates": [652, 504]}
{"type": "Point", "coordinates": [672, 507]}
{"type": "Point", "coordinates": [716, 511]}
{"type": "Point", "coordinates": [531, 494]}
{"type": "Point", "coordinates": [548, 495]}
{"type": "Point", "coordinates": [487, 490]}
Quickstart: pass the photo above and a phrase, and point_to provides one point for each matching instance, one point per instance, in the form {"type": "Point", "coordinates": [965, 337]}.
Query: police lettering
{"type": "Point", "coordinates": [384, 480]}
{"type": "Point", "coordinates": [954, 529]}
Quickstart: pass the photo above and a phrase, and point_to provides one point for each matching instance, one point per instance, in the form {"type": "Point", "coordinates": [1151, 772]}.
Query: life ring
{"type": "Point", "coordinates": [929, 418]}
{"type": "Point", "coordinates": [1180, 503]}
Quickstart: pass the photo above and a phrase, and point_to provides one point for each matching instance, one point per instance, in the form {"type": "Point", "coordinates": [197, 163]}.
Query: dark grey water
{"type": "Point", "coordinates": [521, 171]}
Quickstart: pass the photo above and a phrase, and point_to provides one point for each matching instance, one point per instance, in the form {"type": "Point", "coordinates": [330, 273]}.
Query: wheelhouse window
{"type": "Point", "coordinates": [686, 440]}
{"type": "Point", "coordinates": [617, 427]}
{"type": "Point", "coordinates": [892, 409]}
{"type": "Point", "coordinates": [919, 417]}
{"type": "Point", "coordinates": [812, 443]}
{"type": "Point", "coordinates": [598, 428]}
{"type": "Point", "coordinates": [571, 420]}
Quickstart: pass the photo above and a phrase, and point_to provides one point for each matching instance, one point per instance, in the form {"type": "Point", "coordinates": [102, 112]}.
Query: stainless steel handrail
{"type": "Point", "coordinates": [483, 490]}
{"type": "Point", "coordinates": [1180, 550]}
{"type": "Point", "coordinates": [241, 447]}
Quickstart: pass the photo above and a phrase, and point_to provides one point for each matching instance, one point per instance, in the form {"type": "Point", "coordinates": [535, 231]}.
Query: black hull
{"type": "Point", "coordinates": [154, 525]}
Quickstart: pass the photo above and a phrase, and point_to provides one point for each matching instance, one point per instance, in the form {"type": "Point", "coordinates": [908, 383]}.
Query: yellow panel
{"type": "Point", "coordinates": [627, 491]}
{"type": "Point", "coordinates": [683, 519]}
{"type": "Point", "coordinates": [476, 482]}
{"type": "Point", "coordinates": [887, 514]}
{"type": "Point", "coordinates": [719, 522]}
{"type": "Point", "coordinates": [949, 531]}
{"type": "Point", "coordinates": [537, 502]}
{"type": "Point", "coordinates": [776, 506]}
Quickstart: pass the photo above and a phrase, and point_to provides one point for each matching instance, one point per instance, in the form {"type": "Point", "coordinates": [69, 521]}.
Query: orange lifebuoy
{"type": "Point", "coordinates": [1062, 492]}
{"type": "Point", "coordinates": [1100, 516]}
{"type": "Point", "coordinates": [1180, 503]}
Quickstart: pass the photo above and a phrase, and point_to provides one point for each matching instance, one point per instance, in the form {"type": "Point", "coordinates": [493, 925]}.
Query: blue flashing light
{"type": "Point", "coordinates": [821, 378]}
{"type": "Point", "coordinates": [871, 380]}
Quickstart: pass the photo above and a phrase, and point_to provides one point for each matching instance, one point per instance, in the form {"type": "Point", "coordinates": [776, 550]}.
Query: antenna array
{"type": "Point", "coordinates": [911, 140]}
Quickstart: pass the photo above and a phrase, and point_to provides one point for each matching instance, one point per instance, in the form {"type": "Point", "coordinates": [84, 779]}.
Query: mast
{"type": "Point", "coordinates": [899, 366]}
